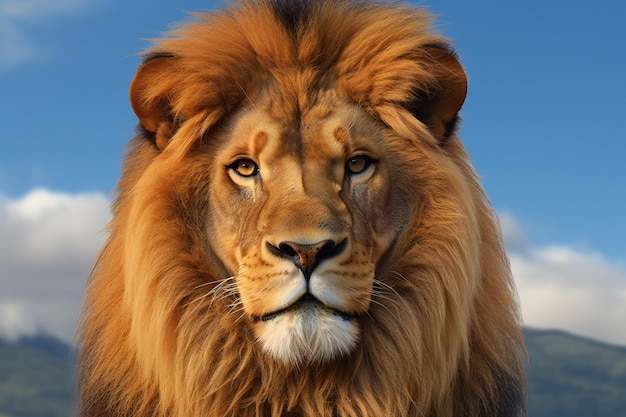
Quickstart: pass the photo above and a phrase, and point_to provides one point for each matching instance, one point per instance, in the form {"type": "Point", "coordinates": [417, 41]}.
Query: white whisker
{"type": "Point", "coordinates": [383, 295]}
{"type": "Point", "coordinates": [224, 289]}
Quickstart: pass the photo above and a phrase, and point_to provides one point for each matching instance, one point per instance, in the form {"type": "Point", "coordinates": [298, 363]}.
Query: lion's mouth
{"type": "Point", "coordinates": [308, 303]}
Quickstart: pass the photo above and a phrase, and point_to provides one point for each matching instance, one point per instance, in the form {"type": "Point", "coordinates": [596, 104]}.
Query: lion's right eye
{"type": "Point", "coordinates": [359, 167]}
{"type": "Point", "coordinates": [245, 167]}
{"type": "Point", "coordinates": [358, 164]}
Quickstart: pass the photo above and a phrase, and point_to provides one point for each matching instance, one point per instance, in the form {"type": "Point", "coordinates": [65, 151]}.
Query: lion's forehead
{"type": "Point", "coordinates": [323, 134]}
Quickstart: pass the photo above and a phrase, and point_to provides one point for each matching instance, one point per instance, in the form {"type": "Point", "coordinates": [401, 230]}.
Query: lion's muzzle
{"type": "Point", "coordinates": [310, 321]}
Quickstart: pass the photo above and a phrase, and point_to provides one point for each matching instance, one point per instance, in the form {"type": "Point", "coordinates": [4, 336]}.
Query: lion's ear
{"type": "Point", "coordinates": [438, 106]}
{"type": "Point", "coordinates": [150, 97]}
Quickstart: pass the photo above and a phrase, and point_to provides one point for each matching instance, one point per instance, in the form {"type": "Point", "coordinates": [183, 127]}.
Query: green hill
{"type": "Point", "coordinates": [36, 378]}
{"type": "Point", "coordinates": [574, 376]}
{"type": "Point", "coordinates": [567, 376]}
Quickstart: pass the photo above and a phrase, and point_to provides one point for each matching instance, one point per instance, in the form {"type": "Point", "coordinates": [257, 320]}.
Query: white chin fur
{"type": "Point", "coordinates": [308, 335]}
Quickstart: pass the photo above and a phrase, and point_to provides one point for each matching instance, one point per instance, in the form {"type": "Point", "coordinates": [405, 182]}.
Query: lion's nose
{"type": "Point", "coordinates": [308, 256]}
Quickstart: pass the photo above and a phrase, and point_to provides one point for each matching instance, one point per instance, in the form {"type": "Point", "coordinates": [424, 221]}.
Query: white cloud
{"type": "Point", "coordinates": [568, 288]}
{"type": "Point", "coordinates": [16, 46]}
{"type": "Point", "coordinates": [14, 322]}
{"type": "Point", "coordinates": [48, 242]}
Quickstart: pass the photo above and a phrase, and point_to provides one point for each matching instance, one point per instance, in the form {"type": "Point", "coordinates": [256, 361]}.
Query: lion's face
{"type": "Point", "coordinates": [299, 230]}
{"type": "Point", "coordinates": [302, 213]}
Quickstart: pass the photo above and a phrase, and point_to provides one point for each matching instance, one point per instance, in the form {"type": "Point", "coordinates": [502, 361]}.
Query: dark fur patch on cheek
{"type": "Point", "coordinates": [451, 127]}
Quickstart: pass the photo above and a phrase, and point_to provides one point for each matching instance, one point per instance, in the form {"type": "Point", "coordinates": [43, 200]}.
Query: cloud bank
{"type": "Point", "coordinates": [49, 240]}
{"type": "Point", "coordinates": [562, 287]}
{"type": "Point", "coordinates": [16, 45]}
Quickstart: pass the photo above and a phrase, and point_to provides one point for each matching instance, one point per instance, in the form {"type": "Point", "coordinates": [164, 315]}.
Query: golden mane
{"type": "Point", "coordinates": [442, 339]}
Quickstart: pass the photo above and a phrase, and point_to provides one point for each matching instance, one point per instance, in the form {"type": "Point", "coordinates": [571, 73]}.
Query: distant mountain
{"type": "Point", "coordinates": [568, 376]}
{"type": "Point", "coordinates": [37, 378]}
{"type": "Point", "coordinates": [49, 345]}
{"type": "Point", "coordinates": [571, 376]}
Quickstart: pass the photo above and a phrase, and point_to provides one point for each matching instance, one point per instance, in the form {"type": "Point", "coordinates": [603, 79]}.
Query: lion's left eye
{"type": "Point", "coordinates": [358, 164]}
{"type": "Point", "coordinates": [245, 167]}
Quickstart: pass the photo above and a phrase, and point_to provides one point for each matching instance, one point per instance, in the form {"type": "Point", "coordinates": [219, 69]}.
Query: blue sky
{"type": "Point", "coordinates": [543, 122]}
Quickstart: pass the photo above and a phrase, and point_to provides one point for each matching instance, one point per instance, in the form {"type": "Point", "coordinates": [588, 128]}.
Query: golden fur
{"type": "Point", "coordinates": [291, 148]}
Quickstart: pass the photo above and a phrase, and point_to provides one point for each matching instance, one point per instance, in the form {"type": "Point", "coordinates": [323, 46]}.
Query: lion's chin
{"type": "Point", "coordinates": [308, 333]}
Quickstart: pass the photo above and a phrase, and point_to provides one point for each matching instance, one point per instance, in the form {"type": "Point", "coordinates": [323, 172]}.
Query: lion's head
{"type": "Point", "coordinates": [299, 230]}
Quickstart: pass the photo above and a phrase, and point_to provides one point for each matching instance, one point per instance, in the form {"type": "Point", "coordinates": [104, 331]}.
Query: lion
{"type": "Point", "coordinates": [298, 229]}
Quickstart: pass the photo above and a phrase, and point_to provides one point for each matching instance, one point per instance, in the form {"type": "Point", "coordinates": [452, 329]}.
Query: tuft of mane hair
{"type": "Point", "coordinates": [440, 339]}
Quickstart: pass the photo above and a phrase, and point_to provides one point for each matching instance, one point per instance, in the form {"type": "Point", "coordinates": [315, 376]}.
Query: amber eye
{"type": "Point", "coordinates": [358, 164]}
{"type": "Point", "coordinates": [245, 167]}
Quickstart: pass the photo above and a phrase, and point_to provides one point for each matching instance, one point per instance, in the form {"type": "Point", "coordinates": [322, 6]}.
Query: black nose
{"type": "Point", "coordinates": [307, 257]}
